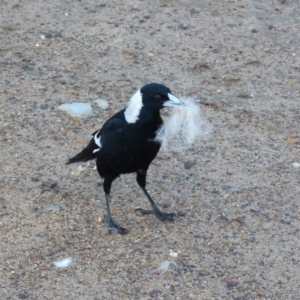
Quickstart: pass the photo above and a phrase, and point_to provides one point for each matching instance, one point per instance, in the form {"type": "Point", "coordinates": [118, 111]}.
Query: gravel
{"type": "Point", "coordinates": [236, 230]}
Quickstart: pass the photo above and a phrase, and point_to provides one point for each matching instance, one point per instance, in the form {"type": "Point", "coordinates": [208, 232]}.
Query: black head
{"type": "Point", "coordinates": [151, 97]}
{"type": "Point", "coordinates": [155, 96]}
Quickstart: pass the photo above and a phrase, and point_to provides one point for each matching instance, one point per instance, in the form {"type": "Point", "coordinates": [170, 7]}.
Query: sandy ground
{"type": "Point", "coordinates": [237, 229]}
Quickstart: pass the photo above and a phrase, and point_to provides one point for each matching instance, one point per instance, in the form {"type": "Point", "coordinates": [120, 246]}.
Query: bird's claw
{"type": "Point", "coordinates": [159, 214]}
{"type": "Point", "coordinates": [115, 228]}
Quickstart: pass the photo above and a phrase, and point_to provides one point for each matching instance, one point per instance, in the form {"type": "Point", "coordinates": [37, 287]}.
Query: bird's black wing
{"type": "Point", "coordinates": [108, 131]}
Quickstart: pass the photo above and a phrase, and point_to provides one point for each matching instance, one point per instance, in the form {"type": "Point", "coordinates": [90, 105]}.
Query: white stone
{"type": "Point", "coordinates": [101, 103]}
{"type": "Point", "coordinates": [77, 109]}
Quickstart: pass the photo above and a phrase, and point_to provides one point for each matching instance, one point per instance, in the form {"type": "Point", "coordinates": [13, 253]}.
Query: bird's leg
{"type": "Point", "coordinates": [141, 180]}
{"type": "Point", "coordinates": [112, 226]}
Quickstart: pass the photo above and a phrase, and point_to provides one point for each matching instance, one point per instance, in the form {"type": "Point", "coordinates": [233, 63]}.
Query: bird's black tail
{"type": "Point", "coordinates": [85, 155]}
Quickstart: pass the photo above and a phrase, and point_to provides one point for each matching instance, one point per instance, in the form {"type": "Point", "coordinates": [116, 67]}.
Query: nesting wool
{"type": "Point", "coordinates": [184, 125]}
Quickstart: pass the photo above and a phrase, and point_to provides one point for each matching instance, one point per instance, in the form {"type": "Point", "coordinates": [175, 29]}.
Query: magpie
{"type": "Point", "coordinates": [126, 144]}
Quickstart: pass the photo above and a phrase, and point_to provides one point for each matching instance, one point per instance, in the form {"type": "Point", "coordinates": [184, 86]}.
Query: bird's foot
{"type": "Point", "coordinates": [159, 214]}
{"type": "Point", "coordinates": [115, 228]}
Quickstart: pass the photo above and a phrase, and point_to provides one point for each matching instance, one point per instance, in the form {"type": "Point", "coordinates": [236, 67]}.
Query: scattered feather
{"type": "Point", "coordinates": [184, 125]}
{"type": "Point", "coordinates": [163, 267]}
{"type": "Point", "coordinates": [296, 165]}
{"type": "Point", "coordinates": [64, 263]}
{"type": "Point", "coordinates": [173, 254]}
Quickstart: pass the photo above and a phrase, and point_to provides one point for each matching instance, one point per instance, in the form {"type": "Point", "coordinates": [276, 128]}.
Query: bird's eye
{"type": "Point", "coordinates": [157, 97]}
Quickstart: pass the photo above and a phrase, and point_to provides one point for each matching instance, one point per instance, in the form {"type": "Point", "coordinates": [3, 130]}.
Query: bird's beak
{"type": "Point", "coordinates": [173, 101]}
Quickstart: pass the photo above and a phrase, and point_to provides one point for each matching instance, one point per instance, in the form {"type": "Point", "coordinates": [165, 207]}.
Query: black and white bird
{"type": "Point", "coordinates": [125, 144]}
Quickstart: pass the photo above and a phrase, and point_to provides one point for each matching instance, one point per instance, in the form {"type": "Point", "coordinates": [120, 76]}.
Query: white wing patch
{"type": "Point", "coordinates": [97, 140]}
{"type": "Point", "coordinates": [134, 107]}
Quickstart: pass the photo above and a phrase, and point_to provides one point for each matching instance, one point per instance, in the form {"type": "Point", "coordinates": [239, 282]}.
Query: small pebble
{"type": "Point", "coordinates": [188, 164]}
{"type": "Point", "coordinates": [23, 296]}
{"type": "Point", "coordinates": [243, 95]}
{"type": "Point", "coordinates": [293, 141]}
{"type": "Point", "coordinates": [173, 254]}
{"type": "Point", "coordinates": [27, 68]}
{"type": "Point", "coordinates": [53, 208]}
{"type": "Point", "coordinates": [154, 293]}
{"type": "Point", "coordinates": [37, 47]}
{"type": "Point", "coordinates": [252, 239]}
{"type": "Point", "coordinates": [182, 26]}
{"type": "Point", "coordinates": [101, 103]}
{"type": "Point", "coordinates": [226, 187]}
{"type": "Point", "coordinates": [52, 33]}
{"type": "Point", "coordinates": [256, 212]}
{"type": "Point", "coordinates": [44, 106]}
{"type": "Point", "coordinates": [49, 184]}
{"type": "Point", "coordinates": [80, 169]}
{"type": "Point", "coordinates": [26, 59]}
{"type": "Point", "coordinates": [35, 208]}
{"type": "Point", "coordinates": [181, 214]}
{"type": "Point", "coordinates": [233, 126]}
{"type": "Point", "coordinates": [274, 128]}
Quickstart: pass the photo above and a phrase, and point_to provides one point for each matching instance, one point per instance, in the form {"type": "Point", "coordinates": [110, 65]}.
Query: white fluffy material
{"type": "Point", "coordinates": [184, 125]}
{"type": "Point", "coordinates": [163, 267]}
{"type": "Point", "coordinates": [64, 263]}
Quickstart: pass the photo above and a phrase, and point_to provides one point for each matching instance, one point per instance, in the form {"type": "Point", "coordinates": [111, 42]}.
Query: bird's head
{"type": "Point", "coordinates": [156, 96]}
{"type": "Point", "coordinates": [151, 97]}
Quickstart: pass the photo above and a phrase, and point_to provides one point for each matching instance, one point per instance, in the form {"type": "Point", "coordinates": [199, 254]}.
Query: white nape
{"type": "Point", "coordinates": [134, 107]}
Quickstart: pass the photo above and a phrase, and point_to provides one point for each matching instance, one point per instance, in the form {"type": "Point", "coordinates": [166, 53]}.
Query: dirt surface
{"type": "Point", "coordinates": [237, 230]}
